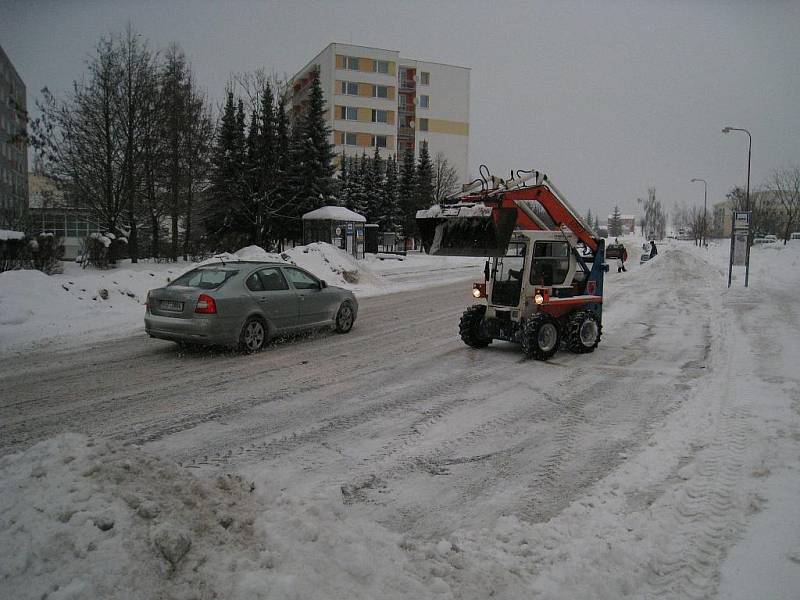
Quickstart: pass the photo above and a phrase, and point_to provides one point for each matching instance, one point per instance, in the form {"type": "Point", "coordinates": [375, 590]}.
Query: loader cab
{"type": "Point", "coordinates": [533, 260]}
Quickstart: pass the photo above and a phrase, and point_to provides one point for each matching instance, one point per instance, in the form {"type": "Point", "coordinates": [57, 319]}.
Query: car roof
{"type": "Point", "coordinates": [232, 263]}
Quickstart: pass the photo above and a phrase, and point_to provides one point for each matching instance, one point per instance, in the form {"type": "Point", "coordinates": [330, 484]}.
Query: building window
{"type": "Point", "coordinates": [379, 141]}
{"type": "Point", "coordinates": [380, 91]}
{"type": "Point", "coordinates": [351, 63]}
{"type": "Point", "coordinates": [424, 101]}
{"type": "Point", "coordinates": [349, 139]}
{"type": "Point", "coordinates": [423, 124]}
{"type": "Point", "coordinates": [349, 113]}
{"type": "Point", "coordinates": [381, 66]}
{"type": "Point", "coordinates": [380, 116]}
{"type": "Point", "coordinates": [349, 88]}
{"type": "Point", "coordinates": [425, 78]}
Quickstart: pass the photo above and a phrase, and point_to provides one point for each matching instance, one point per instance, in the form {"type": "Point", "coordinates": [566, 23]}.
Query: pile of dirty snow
{"type": "Point", "coordinates": [88, 519]}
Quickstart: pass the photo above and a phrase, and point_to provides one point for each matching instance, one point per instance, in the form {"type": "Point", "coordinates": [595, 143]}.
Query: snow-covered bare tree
{"type": "Point", "coordinates": [785, 184]}
{"type": "Point", "coordinates": [445, 178]}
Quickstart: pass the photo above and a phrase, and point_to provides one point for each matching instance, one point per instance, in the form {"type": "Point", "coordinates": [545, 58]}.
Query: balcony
{"type": "Point", "coordinates": [408, 85]}
{"type": "Point", "coordinates": [405, 131]}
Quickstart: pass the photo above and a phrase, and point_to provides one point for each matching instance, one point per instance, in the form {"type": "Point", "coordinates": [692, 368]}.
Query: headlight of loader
{"type": "Point", "coordinates": [476, 293]}
{"type": "Point", "coordinates": [538, 298]}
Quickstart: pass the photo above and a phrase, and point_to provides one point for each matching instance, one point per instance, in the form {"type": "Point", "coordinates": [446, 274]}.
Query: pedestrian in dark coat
{"type": "Point", "coordinates": [653, 249]}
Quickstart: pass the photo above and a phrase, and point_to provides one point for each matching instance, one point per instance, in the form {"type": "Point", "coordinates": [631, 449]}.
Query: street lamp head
{"type": "Point", "coordinates": [694, 180]}
{"type": "Point", "coordinates": [726, 130]}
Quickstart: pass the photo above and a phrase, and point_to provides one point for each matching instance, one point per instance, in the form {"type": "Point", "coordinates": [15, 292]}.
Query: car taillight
{"type": "Point", "coordinates": [206, 305]}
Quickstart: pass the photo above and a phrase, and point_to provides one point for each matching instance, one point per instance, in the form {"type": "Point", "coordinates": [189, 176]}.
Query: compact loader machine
{"type": "Point", "coordinates": [543, 279]}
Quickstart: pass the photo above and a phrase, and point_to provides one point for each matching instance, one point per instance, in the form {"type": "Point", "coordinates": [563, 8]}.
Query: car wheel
{"type": "Point", "coordinates": [253, 336]}
{"type": "Point", "coordinates": [345, 318]}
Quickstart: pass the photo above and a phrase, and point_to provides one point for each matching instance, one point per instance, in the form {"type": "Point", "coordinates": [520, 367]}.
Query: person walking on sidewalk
{"type": "Point", "coordinates": [623, 256]}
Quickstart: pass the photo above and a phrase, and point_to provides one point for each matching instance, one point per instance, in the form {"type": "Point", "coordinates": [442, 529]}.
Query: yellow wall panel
{"type": "Point", "coordinates": [339, 61]}
{"type": "Point", "coordinates": [364, 140]}
{"type": "Point", "coordinates": [365, 114]}
{"type": "Point", "coordinates": [366, 65]}
{"type": "Point", "coordinates": [451, 127]}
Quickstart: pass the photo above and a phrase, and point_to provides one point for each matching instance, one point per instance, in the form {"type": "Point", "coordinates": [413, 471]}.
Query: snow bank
{"type": "Point", "coordinates": [7, 234]}
{"type": "Point", "coordinates": [91, 303]}
{"type": "Point", "coordinates": [86, 519]}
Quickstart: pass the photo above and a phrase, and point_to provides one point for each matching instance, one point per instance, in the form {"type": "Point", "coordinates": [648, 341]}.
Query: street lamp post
{"type": "Point", "coordinates": [747, 199]}
{"type": "Point", "coordinates": [705, 212]}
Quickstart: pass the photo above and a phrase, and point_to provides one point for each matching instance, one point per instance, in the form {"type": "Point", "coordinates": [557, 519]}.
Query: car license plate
{"type": "Point", "coordinates": [171, 305]}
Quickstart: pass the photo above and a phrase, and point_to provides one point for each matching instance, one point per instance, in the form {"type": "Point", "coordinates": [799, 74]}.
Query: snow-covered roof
{"type": "Point", "coordinates": [6, 234]}
{"type": "Point", "coordinates": [334, 213]}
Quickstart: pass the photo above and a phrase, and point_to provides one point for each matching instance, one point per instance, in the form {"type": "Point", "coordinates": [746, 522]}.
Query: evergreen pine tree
{"type": "Point", "coordinates": [343, 191]}
{"type": "Point", "coordinates": [589, 218]}
{"type": "Point", "coordinates": [266, 168]}
{"type": "Point", "coordinates": [424, 195]}
{"type": "Point", "coordinates": [407, 194]}
{"type": "Point", "coordinates": [597, 224]}
{"type": "Point", "coordinates": [220, 215]}
{"type": "Point", "coordinates": [312, 156]}
{"type": "Point", "coordinates": [358, 191]}
{"type": "Point", "coordinates": [375, 187]}
{"type": "Point", "coordinates": [615, 223]}
{"type": "Point", "coordinates": [283, 196]}
{"type": "Point", "coordinates": [250, 202]}
{"type": "Point", "coordinates": [389, 218]}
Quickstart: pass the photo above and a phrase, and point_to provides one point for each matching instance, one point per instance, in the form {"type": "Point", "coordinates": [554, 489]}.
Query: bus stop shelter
{"type": "Point", "coordinates": [336, 225]}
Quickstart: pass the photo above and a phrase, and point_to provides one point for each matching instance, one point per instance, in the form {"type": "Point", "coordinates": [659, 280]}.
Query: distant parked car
{"type": "Point", "coordinates": [795, 236]}
{"type": "Point", "coordinates": [770, 239]}
{"type": "Point", "coordinates": [245, 304]}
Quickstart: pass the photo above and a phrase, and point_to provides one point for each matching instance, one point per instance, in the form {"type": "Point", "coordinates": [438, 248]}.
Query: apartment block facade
{"type": "Point", "coordinates": [13, 146]}
{"type": "Point", "coordinates": [376, 98]}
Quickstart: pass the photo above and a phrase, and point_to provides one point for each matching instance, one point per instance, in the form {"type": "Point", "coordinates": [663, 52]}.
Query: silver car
{"type": "Point", "coordinates": [244, 304]}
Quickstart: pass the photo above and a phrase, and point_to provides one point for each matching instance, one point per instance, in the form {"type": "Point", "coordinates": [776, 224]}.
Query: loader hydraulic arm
{"type": "Point", "coordinates": [481, 223]}
{"type": "Point", "coordinates": [560, 214]}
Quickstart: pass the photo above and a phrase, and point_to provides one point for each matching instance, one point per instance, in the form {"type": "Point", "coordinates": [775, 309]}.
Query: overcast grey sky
{"type": "Point", "coordinates": [607, 97]}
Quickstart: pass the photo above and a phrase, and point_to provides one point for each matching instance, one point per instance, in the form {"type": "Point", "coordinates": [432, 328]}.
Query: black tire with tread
{"type": "Point", "coordinates": [343, 326]}
{"type": "Point", "coordinates": [573, 328]}
{"type": "Point", "coordinates": [469, 327]}
{"type": "Point", "coordinates": [243, 343]}
{"type": "Point", "coordinates": [530, 337]}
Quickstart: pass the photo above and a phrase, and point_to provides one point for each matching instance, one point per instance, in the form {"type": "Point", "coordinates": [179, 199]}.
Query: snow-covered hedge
{"type": "Point", "coordinates": [42, 252]}
{"type": "Point", "coordinates": [102, 249]}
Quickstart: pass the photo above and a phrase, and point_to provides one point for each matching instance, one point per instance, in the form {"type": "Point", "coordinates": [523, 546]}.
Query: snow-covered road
{"type": "Point", "coordinates": [629, 471]}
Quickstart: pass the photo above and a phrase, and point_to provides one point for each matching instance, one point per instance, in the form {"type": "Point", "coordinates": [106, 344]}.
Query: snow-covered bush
{"type": "Point", "coordinates": [42, 252]}
{"type": "Point", "coordinates": [47, 250]}
{"type": "Point", "coordinates": [102, 249]}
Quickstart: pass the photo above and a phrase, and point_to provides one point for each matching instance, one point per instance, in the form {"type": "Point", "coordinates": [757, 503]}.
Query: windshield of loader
{"type": "Point", "coordinates": [507, 275]}
{"type": "Point", "coordinates": [550, 263]}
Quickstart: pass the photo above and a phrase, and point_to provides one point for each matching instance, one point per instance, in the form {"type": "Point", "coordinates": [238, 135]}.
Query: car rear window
{"type": "Point", "coordinates": [205, 279]}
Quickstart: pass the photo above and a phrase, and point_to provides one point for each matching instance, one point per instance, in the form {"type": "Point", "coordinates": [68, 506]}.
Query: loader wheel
{"type": "Point", "coordinates": [583, 332]}
{"type": "Point", "coordinates": [470, 324]}
{"type": "Point", "coordinates": [541, 337]}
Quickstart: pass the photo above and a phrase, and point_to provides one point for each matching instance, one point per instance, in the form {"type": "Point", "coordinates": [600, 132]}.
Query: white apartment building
{"type": "Point", "coordinates": [376, 98]}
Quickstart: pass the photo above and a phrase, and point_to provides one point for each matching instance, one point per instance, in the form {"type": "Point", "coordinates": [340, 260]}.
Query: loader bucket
{"type": "Point", "coordinates": [466, 231]}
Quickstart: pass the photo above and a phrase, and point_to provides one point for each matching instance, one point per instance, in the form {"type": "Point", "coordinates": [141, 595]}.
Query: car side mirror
{"type": "Point", "coordinates": [322, 284]}
{"type": "Point", "coordinates": [486, 271]}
